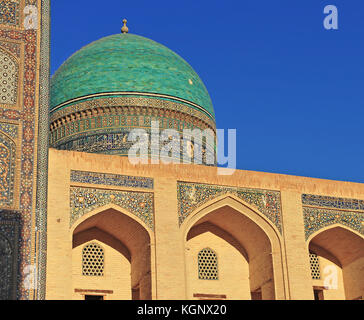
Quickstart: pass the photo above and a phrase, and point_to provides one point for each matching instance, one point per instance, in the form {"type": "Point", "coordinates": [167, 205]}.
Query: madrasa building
{"type": "Point", "coordinates": [79, 221]}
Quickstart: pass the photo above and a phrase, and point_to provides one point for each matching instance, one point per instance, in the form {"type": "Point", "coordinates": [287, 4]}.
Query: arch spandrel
{"type": "Point", "coordinates": [192, 197]}
{"type": "Point", "coordinates": [321, 212]}
{"type": "Point", "coordinates": [87, 200]}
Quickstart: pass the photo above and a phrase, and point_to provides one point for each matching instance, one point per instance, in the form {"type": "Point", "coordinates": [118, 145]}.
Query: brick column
{"type": "Point", "coordinates": [170, 271]}
{"type": "Point", "coordinates": [297, 259]}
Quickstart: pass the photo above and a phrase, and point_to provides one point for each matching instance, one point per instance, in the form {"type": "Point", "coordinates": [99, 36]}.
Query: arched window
{"type": "Point", "coordinates": [207, 265]}
{"type": "Point", "coordinates": [315, 266]}
{"type": "Point", "coordinates": [9, 79]}
{"type": "Point", "coordinates": [93, 260]}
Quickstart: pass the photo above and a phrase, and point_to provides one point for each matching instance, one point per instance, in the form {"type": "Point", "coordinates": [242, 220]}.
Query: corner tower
{"type": "Point", "coordinates": [119, 83]}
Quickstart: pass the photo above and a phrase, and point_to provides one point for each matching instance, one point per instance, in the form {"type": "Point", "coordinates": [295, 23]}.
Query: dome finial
{"type": "Point", "coordinates": [125, 29]}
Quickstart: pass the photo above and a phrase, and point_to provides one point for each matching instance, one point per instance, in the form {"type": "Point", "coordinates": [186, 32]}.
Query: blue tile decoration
{"type": "Point", "coordinates": [84, 200]}
{"type": "Point", "coordinates": [193, 195]}
{"type": "Point", "coordinates": [7, 168]}
{"type": "Point", "coordinates": [9, 129]}
{"type": "Point", "coordinates": [128, 63]}
{"type": "Point", "coordinates": [9, 12]}
{"type": "Point", "coordinates": [323, 211]}
{"type": "Point", "coordinates": [13, 48]}
{"type": "Point", "coordinates": [111, 179]}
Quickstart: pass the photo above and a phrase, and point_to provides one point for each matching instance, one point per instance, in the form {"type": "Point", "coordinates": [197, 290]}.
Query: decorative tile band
{"type": "Point", "coordinates": [332, 210]}
{"type": "Point", "coordinates": [332, 202]}
{"type": "Point", "coordinates": [191, 196]}
{"type": "Point", "coordinates": [316, 219]}
{"type": "Point", "coordinates": [9, 70]}
{"type": "Point", "coordinates": [9, 12]}
{"type": "Point", "coordinates": [111, 179]}
{"type": "Point", "coordinates": [7, 170]}
{"type": "Point", "coordinates": [84, 200]}
{"type": "Point", "coordinates": [133, 104]}
{"type": "Point", "coordinates": [105, 126]}
{"type": "Point", "coordinates": [42, 158]}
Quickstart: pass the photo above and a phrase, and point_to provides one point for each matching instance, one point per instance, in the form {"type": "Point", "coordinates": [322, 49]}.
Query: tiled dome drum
{"type": "Point", "coordinates": [119, 83]}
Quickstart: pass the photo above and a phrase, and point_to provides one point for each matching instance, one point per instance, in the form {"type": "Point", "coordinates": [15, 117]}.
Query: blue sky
{"type": "Point", "coordinates": [293, 90]}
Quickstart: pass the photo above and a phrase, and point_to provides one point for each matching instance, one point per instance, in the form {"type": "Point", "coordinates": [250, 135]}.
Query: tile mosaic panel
{"type": "Point", "coordinates": [8, 78]}
{"type": "Point", "coordinates": [332, 202]}
{"type": "Point", "coordinates": [323, 211]}
{"type": "Point", "coordinates": [9, 12]}
{"type": "Point", "coordinates": [7, 170]}
{"type": "Point", "coordinates": [34, 139]}
{"type": "Point", "coordinates": [85, 200]}
{"type": "Point", "coordinates": [191, 196]}
{"type": "Point", "coordinates": [9, 129]}
{"type": "Point", "coordinates": [13, 48]}
{"type": "Point", "coordinates": [111, 179]}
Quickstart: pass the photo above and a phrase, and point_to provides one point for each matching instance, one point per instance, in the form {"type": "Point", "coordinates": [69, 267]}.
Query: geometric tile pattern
{"type": "Point", "coordinates": [8, 78]}
{"type": "Point", "coordinates": [111, 179]}
{"type": "Point", "coordinates": [332, 202]}
{"type": "Point", "coordinates": [43, 138]}
{"type": "Point", "coordinates": [84, 200]}
{"type": "Point", "coordinates": [322, 211]}
{"type": "Point", "coordinates": [9, 12]}
{"type": "Point", "coordinates": [10, 129]}
{"type": "Point", "coordinates": [29, 143]}
{"type": "Point", "coordinates": [13, 48]}
{"type": "Point", "coordinates": [192, 195]}
{"type": "Point", "coordinates": [103, 125]}
{"type": "Point", "coordinates": [7, 170]}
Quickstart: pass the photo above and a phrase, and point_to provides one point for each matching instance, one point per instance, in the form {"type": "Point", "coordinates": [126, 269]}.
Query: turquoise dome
{"type": "Point", "coordinates": [127, 63]}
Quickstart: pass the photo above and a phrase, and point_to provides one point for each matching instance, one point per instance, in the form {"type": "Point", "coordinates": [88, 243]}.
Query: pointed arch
{"type": "Point", "coordinates": [343, 247]}
{"type": "Point", "coordinates": [220, 201]}
{"type": "Point", "coordinates": [115, 207]}
{"type": "Point", "coordinates": [337, 243]}
{"type": "Point", "coordinates": [252, 231]}
{"type": "Point", "coordinates": [125, 232]}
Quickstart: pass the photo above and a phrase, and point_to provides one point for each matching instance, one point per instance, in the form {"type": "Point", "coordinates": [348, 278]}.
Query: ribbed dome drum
{"type": "Point", "coordinates": [119, 83]}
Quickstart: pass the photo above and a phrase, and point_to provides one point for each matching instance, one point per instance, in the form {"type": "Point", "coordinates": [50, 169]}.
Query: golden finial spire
{"type": "Point", "coordinates": [125, 29]}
